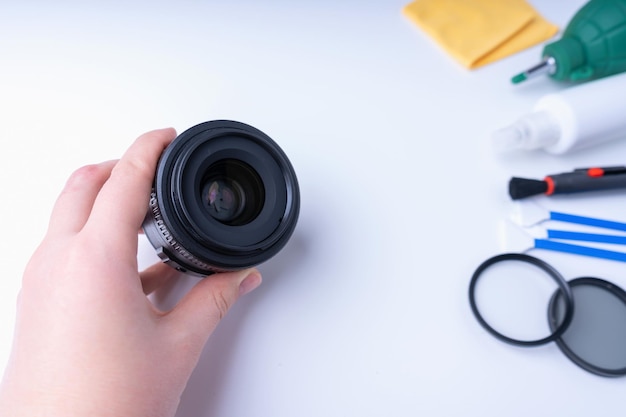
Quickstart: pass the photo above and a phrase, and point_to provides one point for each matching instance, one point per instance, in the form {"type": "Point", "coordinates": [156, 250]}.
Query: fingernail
{"type": "Point", "coordinates": [250, 282]}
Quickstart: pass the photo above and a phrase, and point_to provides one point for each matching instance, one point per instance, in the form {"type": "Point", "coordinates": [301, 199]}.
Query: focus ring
{"type": "Point", "coordinates": [169, 240]}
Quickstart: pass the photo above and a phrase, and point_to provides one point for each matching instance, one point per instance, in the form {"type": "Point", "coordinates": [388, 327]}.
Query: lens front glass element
{"type": "Point", "coordinates": [232, 192]}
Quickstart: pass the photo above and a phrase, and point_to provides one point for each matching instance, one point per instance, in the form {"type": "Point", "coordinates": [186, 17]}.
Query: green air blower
{"type": "Point", "coordinates": [592, 46]}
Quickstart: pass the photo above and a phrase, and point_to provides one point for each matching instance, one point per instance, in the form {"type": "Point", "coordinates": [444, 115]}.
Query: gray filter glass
{"type": "Point", "coordinates": [596, 338]}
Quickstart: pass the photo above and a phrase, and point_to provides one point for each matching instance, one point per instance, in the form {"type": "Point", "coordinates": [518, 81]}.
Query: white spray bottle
{"type": "Point", "coordinates": [571, 119]}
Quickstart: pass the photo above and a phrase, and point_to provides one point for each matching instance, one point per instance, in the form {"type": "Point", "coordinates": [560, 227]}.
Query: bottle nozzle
{"type": "Point", "coordinates": [546, 66]}
{"type": "Point", "coordinates": [507, 139]}
{"type": "Point", "coordinates": [532, 131]}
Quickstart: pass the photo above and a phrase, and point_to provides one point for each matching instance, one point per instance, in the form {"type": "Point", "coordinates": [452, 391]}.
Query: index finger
{"type": "Point", "coordinates": [123, 201]}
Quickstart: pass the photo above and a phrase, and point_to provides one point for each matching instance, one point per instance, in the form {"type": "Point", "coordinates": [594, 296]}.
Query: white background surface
{"type": "Point", "coordinates": [365, 312]}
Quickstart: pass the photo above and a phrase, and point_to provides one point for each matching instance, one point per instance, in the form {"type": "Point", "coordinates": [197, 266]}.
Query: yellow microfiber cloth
{"type": "Point", "coordinates": [479, 32]}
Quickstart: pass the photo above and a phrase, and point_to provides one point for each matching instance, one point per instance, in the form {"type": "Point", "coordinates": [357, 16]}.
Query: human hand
{"type": "Point", "coordinates": [88, 341]}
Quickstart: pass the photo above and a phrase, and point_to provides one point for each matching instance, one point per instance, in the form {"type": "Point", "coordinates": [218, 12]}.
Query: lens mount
{"type": "Point", "coordinates": [225, 197]}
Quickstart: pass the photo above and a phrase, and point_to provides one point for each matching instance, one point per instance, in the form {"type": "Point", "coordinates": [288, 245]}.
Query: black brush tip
{"type": "Point", "coordinates": [522, 187]}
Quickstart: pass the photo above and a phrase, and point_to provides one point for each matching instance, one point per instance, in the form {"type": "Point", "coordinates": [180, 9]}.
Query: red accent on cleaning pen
{"type": "Point", "coordinates": [595, 172]}
{"type": "Point", "coordinates": [550, 182]}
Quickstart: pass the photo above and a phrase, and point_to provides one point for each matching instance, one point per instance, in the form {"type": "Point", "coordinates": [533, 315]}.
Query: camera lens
{"type": "Point", "coordinates": [225, 197]}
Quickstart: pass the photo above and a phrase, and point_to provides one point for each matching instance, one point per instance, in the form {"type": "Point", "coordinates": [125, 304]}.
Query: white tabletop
{"type": "Point", "coordinates": [365, 312]}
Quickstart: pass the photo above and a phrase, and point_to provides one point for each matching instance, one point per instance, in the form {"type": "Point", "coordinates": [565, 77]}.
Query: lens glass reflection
{"type": "Point", "coordinates": [232, 192]}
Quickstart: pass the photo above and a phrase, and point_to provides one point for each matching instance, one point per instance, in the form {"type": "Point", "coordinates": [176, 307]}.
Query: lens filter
{"type": "Point", "coordinates": [586, 316]}
{"type": "Point", "coordinates": [504, 294]}
{"type": "Point", "coordinates": [596, 338]}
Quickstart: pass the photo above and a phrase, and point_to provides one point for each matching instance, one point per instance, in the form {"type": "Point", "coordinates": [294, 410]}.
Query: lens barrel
{"type": "Point", "coordinates": [225, 197]}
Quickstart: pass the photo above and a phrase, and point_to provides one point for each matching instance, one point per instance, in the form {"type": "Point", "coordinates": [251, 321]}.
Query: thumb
{"type": "Point", "coordinates": [202, 308]}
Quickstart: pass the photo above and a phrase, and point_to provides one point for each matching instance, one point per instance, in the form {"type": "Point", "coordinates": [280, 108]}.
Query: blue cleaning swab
{"type": "Point", "coordinates": [525, 234]}
{"type": "Point", "coordinates": [519, 239]}
{"type": "Point", "coordinates": [586, 237]}
{"type": "Point", "coordinates": [588, 221]}
{"type": "Point", "coordinates": [528, 213]}
{"type": "Point", "coordinates": [579, 250]}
